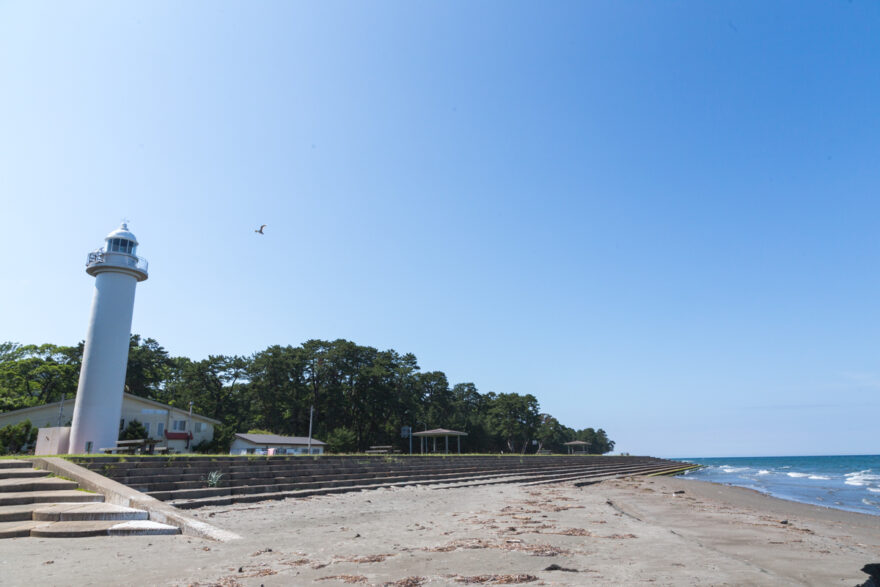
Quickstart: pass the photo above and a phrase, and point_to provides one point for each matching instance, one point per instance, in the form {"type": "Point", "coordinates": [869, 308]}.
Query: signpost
{"type": "Point", "coordinates": [406, 432]}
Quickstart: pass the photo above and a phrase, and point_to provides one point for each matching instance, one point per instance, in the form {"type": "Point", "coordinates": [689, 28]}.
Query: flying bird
{"type": "Point", "coordinates": [260, 231]}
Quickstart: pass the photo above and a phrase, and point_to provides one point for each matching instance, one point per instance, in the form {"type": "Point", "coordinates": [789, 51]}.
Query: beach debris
{"type": "Point", "coordinates": [477, 543]}
{"type": "Point", "coordinates": [555, 567]}
{"type": "Point", "coordinates": [407, 582]}
{"type": "Point", "coordinates": [259, 552]}
{"type": "Point", "coordinates": [345, 578]}
{"type": "Point", "coordinates": [783, 522]}
{"type": "Point", "coordinates": [370, 558]}
{"type": "Point", "coordinates": [497, 579]}
{"type": "Point", "coordinates": [223, 582]}
{"type": "Point", "coordinates": [255, 572]}
{"type": "Point", "coordinates": [679, 492]}
{"type": "Point", "coordinates": [573, 532]}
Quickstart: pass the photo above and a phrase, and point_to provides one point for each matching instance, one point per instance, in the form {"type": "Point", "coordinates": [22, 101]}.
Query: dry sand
{"type": "Point", "coordinates": [648, 530]}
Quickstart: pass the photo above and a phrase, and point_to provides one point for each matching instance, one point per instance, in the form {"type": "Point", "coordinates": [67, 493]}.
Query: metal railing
{"type": "Point", "coordinates": [102, 257]}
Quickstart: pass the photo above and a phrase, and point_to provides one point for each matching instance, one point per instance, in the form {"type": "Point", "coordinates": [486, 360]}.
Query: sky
{"type": "Point", "coordinates": [660, 218]}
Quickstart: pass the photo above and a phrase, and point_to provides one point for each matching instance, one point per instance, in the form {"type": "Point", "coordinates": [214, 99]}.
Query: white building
{"type": "Point", "coordinates": [272, 444]}
{"type": "Point", "coordinates": [172, 426]}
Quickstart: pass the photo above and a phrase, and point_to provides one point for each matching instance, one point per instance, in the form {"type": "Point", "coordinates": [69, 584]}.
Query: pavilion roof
{"type": "Point", "coordinates": [440, 432]}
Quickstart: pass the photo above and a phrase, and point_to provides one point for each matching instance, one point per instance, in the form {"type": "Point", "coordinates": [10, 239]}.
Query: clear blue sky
{"type": "Point", "coordinates": [661, 218]}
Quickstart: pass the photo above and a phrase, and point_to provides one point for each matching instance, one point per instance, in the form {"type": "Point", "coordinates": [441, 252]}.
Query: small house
{"type": "Point", "coordinates": [273, 444]}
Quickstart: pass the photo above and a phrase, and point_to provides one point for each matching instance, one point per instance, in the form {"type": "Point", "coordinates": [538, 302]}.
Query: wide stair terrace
{"type": "Point", "coordinates": [184, 481]}
{"type": "Point", "coordinates": [34, 503]}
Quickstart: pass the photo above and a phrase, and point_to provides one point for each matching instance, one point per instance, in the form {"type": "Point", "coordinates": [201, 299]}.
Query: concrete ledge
{"type": "Point", "coordinates": [119, 494]}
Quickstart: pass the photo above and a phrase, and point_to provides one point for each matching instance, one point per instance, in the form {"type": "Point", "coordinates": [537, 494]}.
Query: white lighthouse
{"type": "Point", "coordinates": [117, 270]}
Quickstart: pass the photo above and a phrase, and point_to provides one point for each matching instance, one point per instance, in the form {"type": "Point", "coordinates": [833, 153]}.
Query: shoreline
{"type": "Point", "coordinates": [777, 497]}
{"type": "Point", "coordinates": [663, 530]}
{"type": "Point", "coordinates": [749, 497]}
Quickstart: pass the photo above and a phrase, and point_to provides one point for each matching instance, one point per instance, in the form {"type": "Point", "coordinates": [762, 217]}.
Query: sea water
{"type": "Point", "coordinates": [844, 482]}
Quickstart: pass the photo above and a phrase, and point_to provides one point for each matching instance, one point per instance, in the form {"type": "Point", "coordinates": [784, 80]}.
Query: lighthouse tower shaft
{"type": "Point", "coordinates": [96, 414]}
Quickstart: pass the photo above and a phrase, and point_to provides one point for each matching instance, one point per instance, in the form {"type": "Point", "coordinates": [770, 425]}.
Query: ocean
{"type": "Point", "coordinates": [844, 482]}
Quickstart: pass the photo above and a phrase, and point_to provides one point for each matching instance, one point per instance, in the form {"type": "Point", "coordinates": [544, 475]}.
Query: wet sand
{"type": "Point", "coordinates": [663, 531]}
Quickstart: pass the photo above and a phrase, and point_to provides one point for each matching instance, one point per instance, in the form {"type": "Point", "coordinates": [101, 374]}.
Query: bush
{"type": "Point", "coordinates": [16, 438]}
{"type": "Point", "coordinates": [342, 440]}
{"type": "Point", "coordinates": [134, 431]}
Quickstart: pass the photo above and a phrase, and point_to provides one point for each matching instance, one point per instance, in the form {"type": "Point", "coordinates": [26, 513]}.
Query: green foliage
{"type": "Point", "coordinates": [213, 478]}
{"type": "Point", "coordinates": [148, 367]}
{"type": "Point", "coordinates": [32, 375]}
{"type": "Point", "coordinates": [16, 438]}
{"type": "Point", "coordinates": [362, 396]}
{"type": "Point", "coordinates": [133, 431]}
{"type": "Point", "coordinates": [341, 440]}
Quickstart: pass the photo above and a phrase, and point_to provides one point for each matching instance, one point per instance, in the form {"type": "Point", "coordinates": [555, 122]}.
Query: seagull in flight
{"type": "Point", "coordinates": [260, 231]}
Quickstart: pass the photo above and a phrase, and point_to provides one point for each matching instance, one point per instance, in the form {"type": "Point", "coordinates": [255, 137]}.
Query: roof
{"type": "Point", "coordinates": [276, 439]}
{"type": "Point", "coordinates": [125, 396]}
{"type": "Point", "coordinates": [440, 432]}
{"type": "Point", "coordinates": [122, 232]}
{"type": "Point", "coordinates": [576, 443]}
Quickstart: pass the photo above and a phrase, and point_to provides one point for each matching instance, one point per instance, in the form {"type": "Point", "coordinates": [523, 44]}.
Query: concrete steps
{"type": "Point", "coordinates": [181, 481]}
{"type": "Point", "coordinates": [14, 464]}
{"type": "Point", "coordinates": [30, 484]}
{"type": "Point", "coordinates": [50, 507]}
{"type": "Point", "coordinates": [67, 512]}
{"type": "Point", "coordinates": [64, 495]}
{"type": "Point", "coordinates": [528, 478]}
{"type": "Point", "coordinates": [83, 529]}
{"type": "Point", "coordinates": [20, 473]}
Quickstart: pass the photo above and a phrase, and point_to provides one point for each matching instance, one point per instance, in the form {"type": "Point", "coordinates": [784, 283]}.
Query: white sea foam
{"type": "Point", "coordinates": [874, 489]}
{"type": "Point", "coordinates": [820, 478]}
{"type": "Point", "coordinates": [861, 478]}
{"type": "Point", "coordinates": [797, 474]}
{"type": "Point", "coordinates": [763, 472]}
{"type": "Point", "coordinates": [734, 469]}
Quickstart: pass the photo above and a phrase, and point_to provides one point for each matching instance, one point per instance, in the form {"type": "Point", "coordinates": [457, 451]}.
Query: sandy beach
{"type": "Point", "coordinates": [663, 531]}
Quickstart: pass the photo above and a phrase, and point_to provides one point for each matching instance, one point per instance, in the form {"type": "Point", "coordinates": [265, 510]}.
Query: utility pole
{"type": "Point", "coordinates": [311, 414]}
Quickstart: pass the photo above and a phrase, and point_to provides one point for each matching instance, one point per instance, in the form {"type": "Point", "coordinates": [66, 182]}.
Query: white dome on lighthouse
{"type": "Point", "coordinates": [122, 232]}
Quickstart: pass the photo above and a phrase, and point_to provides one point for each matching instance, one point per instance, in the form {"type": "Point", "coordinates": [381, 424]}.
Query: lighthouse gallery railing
{"type": "Point", "coordinates": [101, 256]}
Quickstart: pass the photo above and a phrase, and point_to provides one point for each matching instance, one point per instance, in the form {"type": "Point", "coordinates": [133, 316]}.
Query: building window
{"type": "Point", "coordinates": [160, 429]}
{"type": "Point", "coordinates": [179, 426]}
{"type": "Point", "coordinates": [122, 425]}
{"type": "Point", "coordinates": [198, 427]}
{"type": "Point", "coordinates": [147, 428]}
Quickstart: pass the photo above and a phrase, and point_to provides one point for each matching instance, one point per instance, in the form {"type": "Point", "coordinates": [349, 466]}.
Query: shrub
{"type": "Point", "coordinates": [16, 438]}
{"type": "Point", "coordinates": [342, 440]}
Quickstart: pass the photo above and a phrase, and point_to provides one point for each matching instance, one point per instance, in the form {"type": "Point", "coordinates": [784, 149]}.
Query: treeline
{"type": "Point", "coordinates": [362, 396]}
